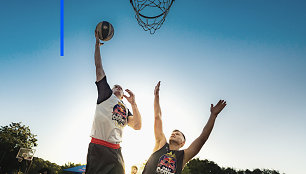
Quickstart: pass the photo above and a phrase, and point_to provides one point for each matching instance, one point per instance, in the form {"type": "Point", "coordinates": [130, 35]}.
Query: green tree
{"type": "Point", "coordinates": [268, 171]}
{"type": "Point", "coordinates": [196, 166]}
{"type": "Point", "coordinates": [39, 163]}
{"type": "Point", "coordinates": [12, 138]}
{"type": "Point", "coordinates": [229, 171]}
{"type": "Point", "coordinates": [142, 166]}
{"type": "Point", "coordinates": [248, 171]}
{"type": "Point", "coordinates": [240, 172]}
{"type": "Point", "coordinates": [186, 170]}
{"type": "Point", "coordinates": [257, 171]}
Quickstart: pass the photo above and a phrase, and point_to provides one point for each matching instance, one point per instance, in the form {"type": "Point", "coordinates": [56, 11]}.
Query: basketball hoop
{"type": "Point", "coordinates": [154, 21]}
{"type": "Point", "coordinates": [25, 154]}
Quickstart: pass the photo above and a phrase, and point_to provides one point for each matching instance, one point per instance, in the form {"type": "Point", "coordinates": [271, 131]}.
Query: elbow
{"type": "Point", "coordinates": [137, 126]}
{"type": "Point", "coordinates": [157, 115]}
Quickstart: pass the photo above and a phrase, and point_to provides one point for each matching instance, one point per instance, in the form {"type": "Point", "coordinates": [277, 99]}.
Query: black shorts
{"type": "Point", "coordinates": [104, 160]}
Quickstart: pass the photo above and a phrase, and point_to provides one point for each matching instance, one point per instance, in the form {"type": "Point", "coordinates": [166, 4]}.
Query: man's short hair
{"type": "Point", "coordinates": [135, 167]}
{"type": "Point", "coordinates": [176, 130]}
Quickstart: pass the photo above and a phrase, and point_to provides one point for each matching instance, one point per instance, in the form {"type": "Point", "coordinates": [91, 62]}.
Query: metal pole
{"type": "Point", "coordinates": [29, 167]}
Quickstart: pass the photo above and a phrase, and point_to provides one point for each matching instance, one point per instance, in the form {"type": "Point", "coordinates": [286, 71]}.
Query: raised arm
{"type": "Point", "coordinates": [98, 62]}
{"type": "Point", "coordinates": [160, 139]}
{"type": "Point", "coordinates": [198, 143]}
{"type": "Point", "coordinates": [135, 120]}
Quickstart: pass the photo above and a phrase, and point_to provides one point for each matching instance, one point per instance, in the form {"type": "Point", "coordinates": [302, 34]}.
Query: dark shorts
{"type": "Point", "coordinates": [104, 160]}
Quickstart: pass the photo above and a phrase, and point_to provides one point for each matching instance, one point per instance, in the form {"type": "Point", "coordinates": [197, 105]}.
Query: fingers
{"type": "Point", "coordinates": [218, 107]}
{"type": "Point", "coordinates": [96, 34]}
{"type": "Point", "coordinates": [97, 38]}
{"type": "Point", "coordinates": [131, 98]}
{"type": "Point", "coordinates": [224, 103]}
{"type": "Point", "coordinates": [156, 90]}
{"type": "Point", "coordinates": [221, 104]}
{"type": "Point", "coordinates": [130, 92]}
{"type": "Point", "coordinates": [158, 85]}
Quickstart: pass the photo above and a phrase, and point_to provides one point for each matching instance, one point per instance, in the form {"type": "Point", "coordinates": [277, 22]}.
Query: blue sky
{"type": "Point", "coordinates": [250, 53]}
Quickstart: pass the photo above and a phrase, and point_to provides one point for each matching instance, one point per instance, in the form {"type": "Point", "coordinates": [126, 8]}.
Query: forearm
{"type": "Point", "coordinates": [197, 144]}
{"type": "Point", "coordinates": [157, 110]}
{"type": "Point", "coordinates": [208, 128]}
{"type": "Point", "coordinates": [98, 63]}
{"type": "Point", "coordinates": [158, 124]}
{"type": "Point", "coordinates": [137, 117]}
{"type": "Point", "coordinates": [200, 141]}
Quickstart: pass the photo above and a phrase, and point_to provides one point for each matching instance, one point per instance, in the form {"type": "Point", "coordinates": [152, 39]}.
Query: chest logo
{"type": "Point", "coordinates": [166, 164]}
{"type": "Point", "coordinates": [119, 115]}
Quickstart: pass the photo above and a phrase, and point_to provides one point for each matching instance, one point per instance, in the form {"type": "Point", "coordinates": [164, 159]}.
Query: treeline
{"type": "Point", "coordinates": [38, 164]}
{"type": "Point", "coordinates": [197, 166]}
{"type": "Point", "coordinates": [15, 136]}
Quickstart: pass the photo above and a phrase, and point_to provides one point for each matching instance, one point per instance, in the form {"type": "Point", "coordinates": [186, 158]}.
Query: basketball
{"type": "Point", "coordinates": [105, 30]}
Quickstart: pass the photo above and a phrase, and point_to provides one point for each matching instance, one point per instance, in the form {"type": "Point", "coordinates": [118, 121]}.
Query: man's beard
{"type": "Point", "coordinates": [117, 94]}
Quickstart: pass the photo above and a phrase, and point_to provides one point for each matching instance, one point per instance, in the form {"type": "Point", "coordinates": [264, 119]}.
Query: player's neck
{"type": "Point", "coordinates": [174, 146]}
{"type": "Point", "coordinates": [118, 96]}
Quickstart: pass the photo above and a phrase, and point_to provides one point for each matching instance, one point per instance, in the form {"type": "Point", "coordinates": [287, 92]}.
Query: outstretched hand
{"type": "Point", "coordinates": [215, 110]}
{"type": "Point", "coordinates": [156, 90]}
{"type": "Point", "coordinates": [97, 38]}
{"type": "Point", "coordinates": [131, 98]}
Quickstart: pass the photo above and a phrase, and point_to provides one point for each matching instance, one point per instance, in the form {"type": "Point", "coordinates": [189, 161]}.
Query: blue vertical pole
{"type": "Point", "coordinates": [62, 28]}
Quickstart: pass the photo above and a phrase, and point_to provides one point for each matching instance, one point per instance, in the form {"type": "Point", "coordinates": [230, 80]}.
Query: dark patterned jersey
{"type": "Point", "coordinates": [165, 161]}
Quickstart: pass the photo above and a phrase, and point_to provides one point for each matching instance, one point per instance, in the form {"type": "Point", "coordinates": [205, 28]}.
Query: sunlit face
{"type": "Point", "coordinates": [118, 91]}
{"type": "Point", "coordinates": [134, 170]}
{"type": "Point", "coordinates": [177, 137]}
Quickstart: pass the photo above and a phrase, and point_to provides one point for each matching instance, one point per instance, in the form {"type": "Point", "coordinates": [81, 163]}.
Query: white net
{"type": "Point", "coordinates": [151, 14]}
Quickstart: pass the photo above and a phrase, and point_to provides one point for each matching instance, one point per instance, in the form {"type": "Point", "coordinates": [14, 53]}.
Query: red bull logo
{"type": "Point", "coordinates": [166, 164]}
{"type": "Point", "coordinates": [119, 114]}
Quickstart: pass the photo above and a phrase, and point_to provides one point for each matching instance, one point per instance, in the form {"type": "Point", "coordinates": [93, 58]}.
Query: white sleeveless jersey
{"type": "Point", "coordinates": [110, 118]}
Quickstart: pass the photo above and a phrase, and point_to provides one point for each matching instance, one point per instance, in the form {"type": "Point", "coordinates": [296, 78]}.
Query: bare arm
{"type": "Point", "coordinates": [135, 120]}
{"type": "Point", "coordinates": [198, 143]}
{"type": "Point", "coordinates": [99, 69]}
{"type": "Point", "coordinates": [160, 139]}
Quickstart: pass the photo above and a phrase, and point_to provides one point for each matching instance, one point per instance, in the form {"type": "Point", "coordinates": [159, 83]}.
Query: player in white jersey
{"type": "Point", "coordinates": [111, 116]}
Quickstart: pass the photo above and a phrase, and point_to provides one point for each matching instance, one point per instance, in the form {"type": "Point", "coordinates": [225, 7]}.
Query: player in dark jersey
{"type": "Point", "coordinates": [166, 157]}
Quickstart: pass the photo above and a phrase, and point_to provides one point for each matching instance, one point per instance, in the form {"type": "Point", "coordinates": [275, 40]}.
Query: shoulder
{"type": "Point", "coordinates": [103, 80]}
{"type": "Point", "coordinates": [111, 100]}
{"type": "Point", "coordinates": [164, 147]}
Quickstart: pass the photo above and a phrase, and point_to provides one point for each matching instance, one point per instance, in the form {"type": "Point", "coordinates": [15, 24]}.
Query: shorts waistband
{"type": "Point", "coordinates": [105, 143]}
